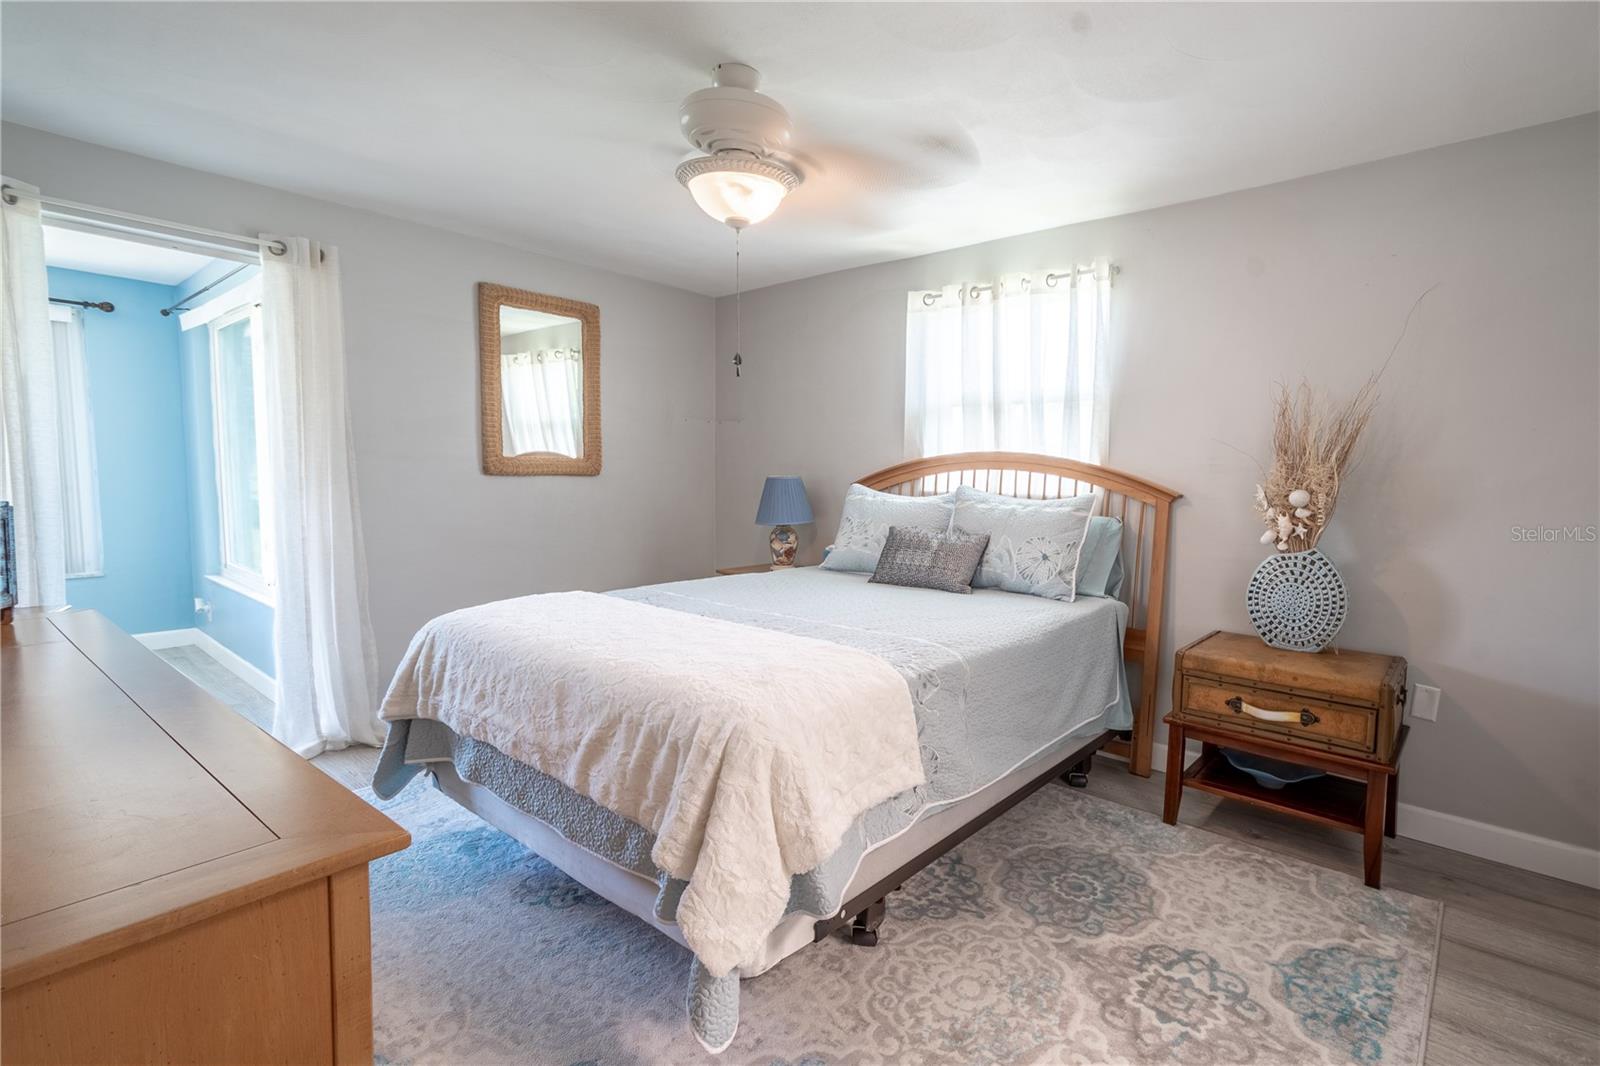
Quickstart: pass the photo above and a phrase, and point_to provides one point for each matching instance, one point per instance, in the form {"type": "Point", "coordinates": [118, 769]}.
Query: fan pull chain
{"type": "Point", "coordinates": [738, 360]}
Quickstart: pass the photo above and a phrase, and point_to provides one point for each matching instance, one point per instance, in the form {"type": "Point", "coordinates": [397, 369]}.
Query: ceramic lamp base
{"type": "Point", "coordinates": [784, 541]}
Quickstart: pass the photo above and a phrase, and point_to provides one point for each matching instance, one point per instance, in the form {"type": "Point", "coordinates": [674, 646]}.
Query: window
{"type": "Point", "coordinates": [1019, 365]}
{"type": "Point", "coordinates": [80, 487]}
{"type": "Point", "coordinates": [238, 394]}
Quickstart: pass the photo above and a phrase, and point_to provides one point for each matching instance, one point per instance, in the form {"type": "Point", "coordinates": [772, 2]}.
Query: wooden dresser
{"type": "Point", "coordinates": [178, 886]}
{"type": "Point", "coordinates": [1335, 711]}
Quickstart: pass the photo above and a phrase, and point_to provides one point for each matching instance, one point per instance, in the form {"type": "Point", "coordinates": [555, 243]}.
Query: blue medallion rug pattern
{"type": "Point", "coordinates": [1072, 930]}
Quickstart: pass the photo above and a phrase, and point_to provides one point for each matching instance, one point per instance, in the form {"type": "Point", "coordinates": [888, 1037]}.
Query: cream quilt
{"type": "Point", "coordinates": [747, 752]}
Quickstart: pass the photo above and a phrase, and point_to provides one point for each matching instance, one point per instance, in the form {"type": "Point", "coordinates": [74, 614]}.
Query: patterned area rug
{"type": "Point", "coordinates": [1072, 930]}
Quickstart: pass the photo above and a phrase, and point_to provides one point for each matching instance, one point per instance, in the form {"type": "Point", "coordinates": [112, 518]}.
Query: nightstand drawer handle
{"type": "Point", "coordinates": [1303, 715]}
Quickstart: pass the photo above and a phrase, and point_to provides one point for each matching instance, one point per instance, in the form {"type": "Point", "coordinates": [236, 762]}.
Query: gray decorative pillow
{"type": "Point", "coordinates": [868, 514]}
{"type": "Point", "coordinates": [1034, 545]}
{"type": "Point", "coordinates": [924, 559]}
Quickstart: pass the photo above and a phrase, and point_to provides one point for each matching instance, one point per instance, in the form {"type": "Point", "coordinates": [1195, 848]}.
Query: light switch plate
{"type": "Point", "coordinates": [1425, 703]}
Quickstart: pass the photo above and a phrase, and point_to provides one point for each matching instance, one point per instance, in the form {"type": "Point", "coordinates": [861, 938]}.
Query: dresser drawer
{"type": "Point", "coordinates": [1282, 716]}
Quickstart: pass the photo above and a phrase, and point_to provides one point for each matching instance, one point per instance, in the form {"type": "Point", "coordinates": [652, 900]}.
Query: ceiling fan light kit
{"type": "Point", "coordinates": [735, 187]}
{"type": "Point", "coordinates": [740, 181]}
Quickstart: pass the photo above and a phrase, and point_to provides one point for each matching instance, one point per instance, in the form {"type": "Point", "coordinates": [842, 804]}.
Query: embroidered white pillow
{"type": "Point", "coordinates": [866, 519]}
{"type": "Point", "coordinates": [1034, 545]}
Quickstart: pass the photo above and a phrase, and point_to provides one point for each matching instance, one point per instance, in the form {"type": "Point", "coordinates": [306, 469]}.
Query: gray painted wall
{"type": "Point", "coordinates": [1488, 421]}
{"type": "Point", "coordinates": [440, 534]}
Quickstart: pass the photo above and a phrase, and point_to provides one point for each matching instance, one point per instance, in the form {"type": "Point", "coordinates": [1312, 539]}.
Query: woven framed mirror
{"type": "Point", "coordinates": [538, 382]}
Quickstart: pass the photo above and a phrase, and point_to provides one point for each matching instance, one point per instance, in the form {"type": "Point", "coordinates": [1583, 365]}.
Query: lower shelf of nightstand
{"type": "Point", "coordinates": [1332, 801]}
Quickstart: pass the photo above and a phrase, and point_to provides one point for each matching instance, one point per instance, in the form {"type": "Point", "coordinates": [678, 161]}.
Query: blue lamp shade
{"type": "Point", "coordinates": [783, 503]}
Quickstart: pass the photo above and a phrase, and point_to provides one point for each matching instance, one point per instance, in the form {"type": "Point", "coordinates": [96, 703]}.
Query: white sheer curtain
{"type": "Point", "coordinates": [541, 395]}
{"type": "Point", "coordinates": [80, 484]}
{"type": "Point", "coordinates": [326, 664]}
{"type": "Point", "coordinates": [1018, 365]}
{"type": "Point", "coordinates": [31, 475]}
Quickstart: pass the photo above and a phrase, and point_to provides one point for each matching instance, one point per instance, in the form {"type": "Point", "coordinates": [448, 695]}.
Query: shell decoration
{"type": "Point", "coordinates": [1285, 531]}
{"type": "Point", "coordinates": [1299, 520]}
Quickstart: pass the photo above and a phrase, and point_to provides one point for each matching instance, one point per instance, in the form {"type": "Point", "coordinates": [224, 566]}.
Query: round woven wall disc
{"type": "Point", "coordinates": [1296, 600]}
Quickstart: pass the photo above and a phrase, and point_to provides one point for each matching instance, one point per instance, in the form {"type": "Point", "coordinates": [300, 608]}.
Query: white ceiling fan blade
{"type": "Point", "coordinates": [910, 160]}
{"type": "Point", "coordinates": [882, 146]}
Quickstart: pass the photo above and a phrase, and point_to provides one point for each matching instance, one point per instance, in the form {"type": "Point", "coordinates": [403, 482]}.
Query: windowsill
{"type": "Point", "coordinates": [86, 573]}
{"type": "Point", "coordinates": [231, 585]}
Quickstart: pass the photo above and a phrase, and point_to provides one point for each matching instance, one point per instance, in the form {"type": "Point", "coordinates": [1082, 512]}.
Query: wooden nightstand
{"type": "Point", "coordinates": [1336, 711]}
{"type": "Point", "coordinates": [756, 568]}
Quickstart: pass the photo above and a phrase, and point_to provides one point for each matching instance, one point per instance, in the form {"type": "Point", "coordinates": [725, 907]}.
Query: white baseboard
{"type": "Point", "coordinates": [169, 638]}
{"type": "Point", "coordinates": [236, 664]}
{"type": "Point", "coordinates": [1554, 858]}
{"type": "Point", "coordinates": [1541, 855]}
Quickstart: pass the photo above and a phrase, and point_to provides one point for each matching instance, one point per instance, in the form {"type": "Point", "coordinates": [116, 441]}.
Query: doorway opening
{"type": "Point", "coordinates": [161, 417]}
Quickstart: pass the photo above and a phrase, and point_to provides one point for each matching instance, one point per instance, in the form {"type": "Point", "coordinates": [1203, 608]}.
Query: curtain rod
{"type": "Point", "coordinates": [166, 312]}
{"type": "Point", "coordinates": [104, 305]}
{"type": "Point", "coordinates": [930, 298]}
{"type": "Point", "coordinates": [10, 195]}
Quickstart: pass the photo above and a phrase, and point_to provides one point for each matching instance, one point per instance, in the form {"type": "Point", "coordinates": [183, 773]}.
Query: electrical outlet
{"type": "Point", "coordinates": [202, 606]}
{"type": "Point", "coordinates": [1425, 703]}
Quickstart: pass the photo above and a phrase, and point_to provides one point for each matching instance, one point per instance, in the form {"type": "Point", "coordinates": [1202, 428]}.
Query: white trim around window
{"type": "Point", "coordinates": [244, 526]}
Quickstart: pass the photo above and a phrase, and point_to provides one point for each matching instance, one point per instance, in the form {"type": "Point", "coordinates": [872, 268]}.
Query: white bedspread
{"type": "Point", "coordinates": [747, 752]}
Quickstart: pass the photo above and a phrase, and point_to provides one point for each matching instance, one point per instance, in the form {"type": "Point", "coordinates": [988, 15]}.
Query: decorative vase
{"type": "Point", "coordinates": [784, 541]}
{"type": "Point", "coordinates": [1296, 600]}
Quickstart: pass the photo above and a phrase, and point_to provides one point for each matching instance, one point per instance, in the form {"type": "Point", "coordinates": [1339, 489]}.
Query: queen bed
{"type": "Point", "coordinates": [889, 723]}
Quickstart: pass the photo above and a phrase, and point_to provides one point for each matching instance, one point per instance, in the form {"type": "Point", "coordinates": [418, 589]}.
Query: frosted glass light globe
{"type": "Point", "coordinates": [736, 188]}
{"type": "Point", "coordinates": [737, 199]}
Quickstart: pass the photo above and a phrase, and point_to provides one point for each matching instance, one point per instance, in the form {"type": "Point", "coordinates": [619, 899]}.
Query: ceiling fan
{"type": "Point", "coordinates": [867, 163]}
{"type": "Point", "coordinates": [742, 179]}
{"type": "Point", "coordinates": [749, 161]}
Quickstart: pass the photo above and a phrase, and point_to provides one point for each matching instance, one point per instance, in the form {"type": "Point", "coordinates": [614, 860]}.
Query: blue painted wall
{"type": "Point", "coordinates": [136, 406]}
{"type": "Point", "coordinates": [150, 401]}
{"type": "Point", "coordinates": [239, 621]}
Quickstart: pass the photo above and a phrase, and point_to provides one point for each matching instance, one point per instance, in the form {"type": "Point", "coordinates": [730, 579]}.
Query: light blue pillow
{"type": "Point", "coordinates": [867, 517]}
{"type": "Point", "coordinates": [1100, 568]}
{"type": "Point", "coordinates": [1035, 546]}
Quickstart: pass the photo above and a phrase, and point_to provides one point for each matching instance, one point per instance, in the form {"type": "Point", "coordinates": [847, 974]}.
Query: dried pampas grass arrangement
{"type": "Point", "coordinates": [1314, 446]}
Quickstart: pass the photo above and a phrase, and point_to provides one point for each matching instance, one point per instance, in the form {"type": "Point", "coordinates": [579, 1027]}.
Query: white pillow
{"type": "Point", "coordinates": [866, 519]}
{"type": "Point", "coordinates": [1034, 545]}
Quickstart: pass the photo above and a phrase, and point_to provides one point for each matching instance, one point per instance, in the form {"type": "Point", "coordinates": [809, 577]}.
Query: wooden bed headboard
{"type": "Point", "coordinates": [1145, 509]}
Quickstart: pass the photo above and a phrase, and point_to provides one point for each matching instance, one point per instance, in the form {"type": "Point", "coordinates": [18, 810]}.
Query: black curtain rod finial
{"type": "Point", "coordinates": [104, 305]}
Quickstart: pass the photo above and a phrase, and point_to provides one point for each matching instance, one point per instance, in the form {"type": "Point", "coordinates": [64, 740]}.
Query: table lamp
{"type": "Point", "coordinates": [784, 506]}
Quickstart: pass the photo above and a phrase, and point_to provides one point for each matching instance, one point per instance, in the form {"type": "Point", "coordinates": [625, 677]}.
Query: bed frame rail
{"type": "Point", "coordinates": [866, 908]}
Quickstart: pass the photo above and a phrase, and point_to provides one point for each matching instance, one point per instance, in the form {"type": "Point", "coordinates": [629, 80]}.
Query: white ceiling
{"type": "Point", "coordinates": [919, 126]}
{"type": "Point", "coordinates": [96, 253]}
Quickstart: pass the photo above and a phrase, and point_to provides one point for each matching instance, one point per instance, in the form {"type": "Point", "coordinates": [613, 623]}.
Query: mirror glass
{"type": "Point", "coordinates": [541, 383]}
